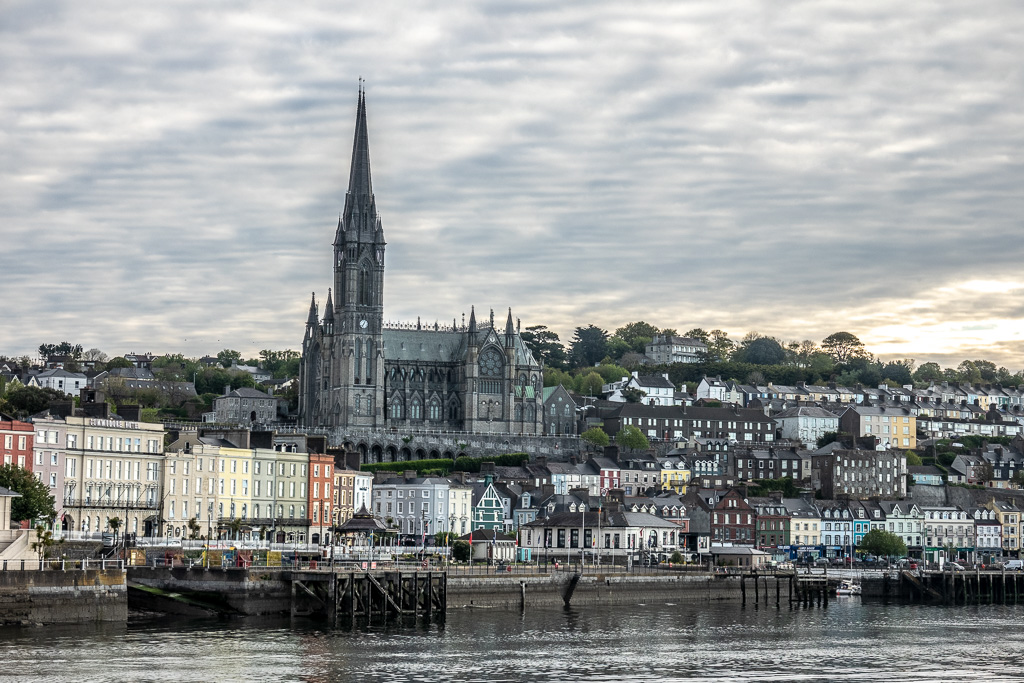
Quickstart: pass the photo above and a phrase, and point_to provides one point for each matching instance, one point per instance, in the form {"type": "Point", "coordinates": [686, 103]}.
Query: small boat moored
{"type": "Point", "coordinates": [847, 587]}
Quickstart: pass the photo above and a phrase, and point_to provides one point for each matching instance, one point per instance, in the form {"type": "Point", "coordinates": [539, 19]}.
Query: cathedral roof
{"type": "Point", "coordinates": [442, 346]}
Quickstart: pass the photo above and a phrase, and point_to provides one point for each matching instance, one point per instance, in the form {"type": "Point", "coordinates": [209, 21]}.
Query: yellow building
{"type": "Point", "coordinates": [894, 427]}
{"type": "Point", "coordinates": [675, 475]}
{"type": "Point", "coordinates": [1009, 517]}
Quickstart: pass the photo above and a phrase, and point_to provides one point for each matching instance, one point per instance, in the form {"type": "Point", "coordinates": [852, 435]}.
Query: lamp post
{"type": "Point", "coordinates": [209, 532]}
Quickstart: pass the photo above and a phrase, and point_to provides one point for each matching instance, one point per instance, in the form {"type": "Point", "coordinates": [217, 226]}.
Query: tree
{"type": "Point", "coordinates": [720, 347]}
{"type": "Point", "coordinates": [633, 395]}
{"type": "Point", "coordinates": [842, 346]}
{"type": "Point", "coordinates": [461, 551]}
{"type": "Point", "coordinates": [827, 438]}
{"type": "Point", "coordinates": [193, 529]}
{"type": "Point", "coordinates": [928, 372]}
{"type": "Point", "coordinates": [94, 355]}
{"type": "Point", "coordinates": [227, 357]}
{"type": "Point", "coordinates": [762, 351]}
{"type": "Point", "coordinates": [589, 346]}
{"type": "Point", "coordinates": [632, 438]}
{"type": "Point", "coordinates": [44, 541]}
{"type": "Point", "coordinates": [589, 384]}
{"type": "Point", "coordinates": [35, 501]}
{"type": "Point", "coordinates": [26, 401]}
{"type": "Point", "coordinates": [118, 362]}
{"type": "Point", "coordinates": [983, 472]}
{"type": "Point", "coordinates": [611, 373]}
{"type": "Point", "coordinates": [968, 372]}
{"type": "Point", "coordinates": [596, 437]}
{"type": "Point", "coordinates": [114, 523]}
{"type": "Point", "coordinates": [882, 544]}
{"type": "Point", "coordinates": [913, 459]}
{"type": "Point", "coordinates": [699, 333]}
{"type": "Point", "coordinates": [900, 371]}
{"type": "Point", "coordinates": [545, 345]}
{"type": "Point", "coordinates": [637, 335]}
{"type": "Point", "coordinates": [235, 526]}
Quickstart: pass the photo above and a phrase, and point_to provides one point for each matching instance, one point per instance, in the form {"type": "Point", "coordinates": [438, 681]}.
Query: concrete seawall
{"type": "Point", "coordinates": [63, 597]}
{"type": "Point", "coordinates": [603, 589]}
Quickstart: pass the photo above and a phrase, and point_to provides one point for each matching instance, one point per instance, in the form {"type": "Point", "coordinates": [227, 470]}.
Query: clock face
{"type": "Point", "coordinates": [363, 324]}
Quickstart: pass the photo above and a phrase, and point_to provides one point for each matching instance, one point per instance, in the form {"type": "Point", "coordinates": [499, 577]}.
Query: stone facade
{"type": "Point", "coordinates": [359, 373]}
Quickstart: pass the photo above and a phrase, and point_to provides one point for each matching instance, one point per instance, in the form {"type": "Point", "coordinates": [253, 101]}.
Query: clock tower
{"type": "Point", "coordinates": [349, 385]}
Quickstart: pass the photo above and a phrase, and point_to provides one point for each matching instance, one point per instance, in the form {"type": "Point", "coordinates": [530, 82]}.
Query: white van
{"type": "Point", "coordinates": [1016, 565]}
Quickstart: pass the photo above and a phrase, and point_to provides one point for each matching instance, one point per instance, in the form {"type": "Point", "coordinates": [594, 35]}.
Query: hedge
{"type": "Point", "coordinates": [446, 465]}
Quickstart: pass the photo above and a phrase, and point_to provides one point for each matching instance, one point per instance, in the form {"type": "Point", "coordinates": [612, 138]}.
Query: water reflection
{"type": "Point", "coordinates": [666, 642]}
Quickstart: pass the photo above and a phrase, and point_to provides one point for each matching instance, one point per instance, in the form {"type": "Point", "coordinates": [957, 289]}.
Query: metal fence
{"type": "Point", "coordinates": [58, 565]}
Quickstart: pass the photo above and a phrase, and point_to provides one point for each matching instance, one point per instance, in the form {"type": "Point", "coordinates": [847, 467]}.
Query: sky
{"type": "Point", "coordinates": [171, 174]}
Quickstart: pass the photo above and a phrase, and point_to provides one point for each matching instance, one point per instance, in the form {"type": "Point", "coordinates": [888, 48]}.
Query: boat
{"type": "Point", "coordinates": [847, 587]}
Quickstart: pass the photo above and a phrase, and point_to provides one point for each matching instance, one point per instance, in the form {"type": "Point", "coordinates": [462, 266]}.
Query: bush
{"type": "Point", "coordinates": [460, 551]}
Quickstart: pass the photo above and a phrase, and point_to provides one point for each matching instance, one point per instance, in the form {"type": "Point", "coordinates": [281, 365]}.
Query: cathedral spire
{"type": "Point", "coordinates": [329, 309]}
{"type": "Point", "coordinates": [359, 176]}
{"type": "Point", "coordinates": [509, 329]}
{"type": "Point", "coordinates": [311, 320]}
{"type": "Point", "coordinates": [472, 319]}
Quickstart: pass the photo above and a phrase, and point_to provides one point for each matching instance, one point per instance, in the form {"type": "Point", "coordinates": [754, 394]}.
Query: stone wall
{"type": "Point", "coordinates": [74, 596]}
{"type": "Point", "coordinates": [594, 589]}
{"type": "Point", "coordinates": [253, 591]}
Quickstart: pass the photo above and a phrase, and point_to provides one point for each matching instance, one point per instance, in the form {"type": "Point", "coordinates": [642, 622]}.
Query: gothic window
{"type": "Point", "coordinates": [369, 361]}
{"type": "Point", "coordinates": [453, 411]}
{"type": "Point", "coordinates": [531, 413]}
{"type": "Point", "coordinates": [490, 371]}
{"type": "Point", "coordinates": [435, 409]}
{"type": "Point", "coordinates": [522, 380]}
{"type": "Point", "coordinates": [359, 358]}
{"type": "Point", "coordinates": [365, 286]}
{"type": "Point", "coordinates": [553, 409]}
{"type": "Point", "coordinates": [568, 410]}
{"type": "Point", "coordinates": [518, 412]}
{"type": "Point", "coordinates": [359, 404]}
{"type": "Point", "coordinates": [396, 408]}
{"type": "Point", "coordinates": [416, 409]}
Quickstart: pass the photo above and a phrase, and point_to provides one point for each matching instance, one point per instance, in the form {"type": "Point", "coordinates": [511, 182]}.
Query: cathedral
{"type": "Point", "coordinates": [358, 373]}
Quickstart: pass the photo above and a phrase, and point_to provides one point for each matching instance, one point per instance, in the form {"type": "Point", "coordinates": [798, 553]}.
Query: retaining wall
{"type": "Point", "coordinates": [63, 597]}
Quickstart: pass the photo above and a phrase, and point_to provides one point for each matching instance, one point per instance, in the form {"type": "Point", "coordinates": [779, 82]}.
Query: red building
{"type": "Point", "coordinates": [321, 478]}
{"type": "Point", "coordinates": [732, 520]}
{"type": "Point", "coordinates": [16, 442]}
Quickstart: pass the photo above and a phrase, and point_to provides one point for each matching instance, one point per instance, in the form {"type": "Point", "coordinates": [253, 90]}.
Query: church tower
{"type": "Point", "coordinates": [349, 382]}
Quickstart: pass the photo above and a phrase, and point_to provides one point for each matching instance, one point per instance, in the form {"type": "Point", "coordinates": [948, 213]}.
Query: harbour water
{"type": "Point", "coordinates": [848, 641]}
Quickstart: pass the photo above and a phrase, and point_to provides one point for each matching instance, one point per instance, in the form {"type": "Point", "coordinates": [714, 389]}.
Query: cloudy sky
{"type": "Point", "coordinates": [172, 173]}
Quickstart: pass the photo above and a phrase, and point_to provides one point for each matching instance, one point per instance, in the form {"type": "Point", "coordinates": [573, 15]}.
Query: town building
{"type": "Point", "coordinates": [860, 473]}
{"type": "Point", "coordinates": [664, 349]}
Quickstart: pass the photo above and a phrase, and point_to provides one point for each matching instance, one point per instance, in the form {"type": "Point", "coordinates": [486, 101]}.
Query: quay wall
{"type": "Point", "coordinates": [252, 591]}
{"type": "Point", "coordinates": [53, 596]}
{"type": "Point", "coordinates": [603, 589]}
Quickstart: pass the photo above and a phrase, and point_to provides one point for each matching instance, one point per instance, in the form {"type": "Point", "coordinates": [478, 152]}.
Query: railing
{"type": "Point", "coordinates": [59, 565]}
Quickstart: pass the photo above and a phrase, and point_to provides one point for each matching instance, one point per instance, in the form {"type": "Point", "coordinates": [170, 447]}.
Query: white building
{"type": "Point", "coordinates": [59, 380]}
{"type": "Point", "coordinates": [806, 424]}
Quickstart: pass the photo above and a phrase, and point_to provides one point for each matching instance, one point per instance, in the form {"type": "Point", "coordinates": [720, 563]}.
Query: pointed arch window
{"type": "Point", "coordinates": [365, 296]}
{"type": "Point", "coordinates": [416, 409]}
{"type": "Point", "coordinates": [435, 409]}
{"type": "Point", "coordinates": [395, 408]}
{"type": "Point", "coordinates": [519, 412]}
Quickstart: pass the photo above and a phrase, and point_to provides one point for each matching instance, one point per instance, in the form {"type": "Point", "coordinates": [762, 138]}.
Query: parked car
{"type": "Point", "coordinates": [955, 566]}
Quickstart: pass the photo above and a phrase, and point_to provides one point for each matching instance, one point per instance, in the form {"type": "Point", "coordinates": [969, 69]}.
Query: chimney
{"type": "Point", "coordinates": [612, 452]}
{"type": "Point", "coordinates": [487, 468]}
{"type": "Point", "coordinates": [62, 409]}
{"type": "Point", "coordinates": [776, 496]}
{"type": "Point", "coordinates": [130, 413]}
{"type": "Point", "coordinates": [409, 475]}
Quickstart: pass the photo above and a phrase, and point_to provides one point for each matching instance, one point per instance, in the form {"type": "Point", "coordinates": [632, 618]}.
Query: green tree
{"type": "Point", "coordinates": [118, 362]}
{"type": "Point", "coordinates": [193, 529]}
{"type": "Point", "coordinates": [762, 351]}
{"type": "Point", "coordinates": [114, 523]}
{"type": "Point", "coordinates": [842, 346]}
{"type": "Point", "coordinates": [589, 384]}
{"type": "Point", "coordinates": [983, 472]}
{"type": "Point", "coordinates": [229, 356]}
{"type": "Point", "coordinates": [35, 501]}
{"type": "Point", "coordinates": [596, 436]}
{"type": "Point", "coordinates": [460, 551]}
{"type": "Point", "coordinates": [637, 335]}
{"type": "Point", "coordinates": [44, 542]}
{"type": "Point", "coordinates": [545, 345]}
{"type": "Point", "coordinates": [928, 372]}
{"type": "Point", "coordinates": [235, 526]}
{"type": "Point", "coordinates": [633, 395]}
{"type": "Point", "coordinates": [900, 371]}
{"type": "Point", "coordinates": [882, 544]}
{"type": "Point", "coordinates": [698, 333]}
{"type": "Point", "coordinates": [913, 459]}
{"type": "Point", "coordinates": [611, 373]}
{"type": "Point", "coordinates": [589, 346]}
{"type": "Point", "coordinates": [720, 347]}
{"type": "Point", "coordinates": [632, 438]}
{"type": "Point", "coordinates": [827, 438]}
{"type": "Point", "coordinates": [25, 401]}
